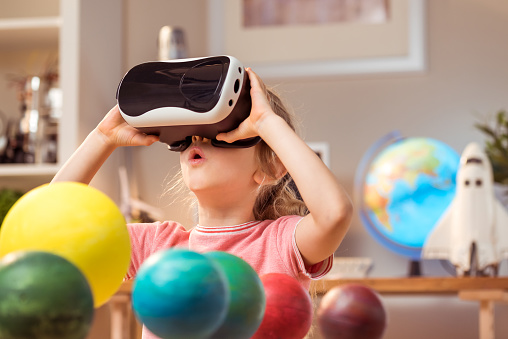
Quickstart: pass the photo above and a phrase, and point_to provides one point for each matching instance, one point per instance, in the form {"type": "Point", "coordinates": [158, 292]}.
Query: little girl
{"type": "Point", "coordinates": [245, 203]}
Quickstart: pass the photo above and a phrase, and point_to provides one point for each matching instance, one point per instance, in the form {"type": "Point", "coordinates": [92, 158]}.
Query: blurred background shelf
{"type": "Point", "coordinates": [30, 34]}
{"type": "Point", "coordinates": [17, 170]}
{"type": "Point", "coordinates": [84, 45]}
{"type": "Point", "coordinates": [20, 33]}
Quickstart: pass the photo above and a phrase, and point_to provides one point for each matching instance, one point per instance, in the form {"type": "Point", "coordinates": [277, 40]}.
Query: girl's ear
{"type": "Point", "coordinates": [280, 169]}
{"type": "Point", "coordinates": [261, 178]}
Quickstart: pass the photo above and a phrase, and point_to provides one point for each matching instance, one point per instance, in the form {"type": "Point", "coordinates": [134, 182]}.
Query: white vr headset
{"type": "Point", "coordinates": [178, 99]}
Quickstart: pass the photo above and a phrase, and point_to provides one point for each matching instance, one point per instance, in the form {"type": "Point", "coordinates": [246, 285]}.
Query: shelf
{"type": "Point", "coordinates": [28, 33]}
{"type": "Point", "coordinates": [23, 33]}
{"type": "Point", "coordinates": [32, 34]}
{"type": "Point", "coordinates": [19, 170]}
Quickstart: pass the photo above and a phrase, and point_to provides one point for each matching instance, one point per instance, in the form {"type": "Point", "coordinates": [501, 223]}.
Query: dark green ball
{"type": "Point", "coordinates": [43, 296]}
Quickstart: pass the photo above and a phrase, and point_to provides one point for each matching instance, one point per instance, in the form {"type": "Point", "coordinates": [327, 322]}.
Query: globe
{"type": "Point", "coordinates": [402, 187]}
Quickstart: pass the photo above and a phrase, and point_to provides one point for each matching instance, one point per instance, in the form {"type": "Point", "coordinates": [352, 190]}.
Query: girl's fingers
{"type": "Point", "coordinates": [259, 105]}
{"type": "Point", "coordinates": [242, 132]}
{"type": "Point", "coordinates": [144, 140]}
{"type": "Point", "coordinates": [254, 79]}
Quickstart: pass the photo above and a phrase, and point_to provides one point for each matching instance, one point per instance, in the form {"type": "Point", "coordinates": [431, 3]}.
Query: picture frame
{"type": "Point", "coordinates": [322, 150]}
{"type": "Point", "coordinates": [322, 49]}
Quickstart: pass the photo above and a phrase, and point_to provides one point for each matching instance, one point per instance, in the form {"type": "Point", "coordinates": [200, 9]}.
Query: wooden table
{"type": "Point", "coordinates": [417, 285]}
{"type": "Point", "coordinates": [486, 291]}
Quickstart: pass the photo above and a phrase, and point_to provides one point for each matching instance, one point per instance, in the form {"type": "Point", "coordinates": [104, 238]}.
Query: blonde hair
{"type": "Point", "coordinates": [281, 197]}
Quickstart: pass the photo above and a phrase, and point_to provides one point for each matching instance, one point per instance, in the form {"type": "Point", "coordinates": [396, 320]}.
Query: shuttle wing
{"type": "Point", "coordinates": [501, 230]}
{"type": "Point", "coordinates": [437, 244]}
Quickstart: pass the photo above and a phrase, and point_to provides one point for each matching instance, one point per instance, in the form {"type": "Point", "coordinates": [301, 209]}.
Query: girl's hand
{"type": "Point", "coordinates": [260, 110]}
{"type": "Point", "coordinates": [116, 132]}
{"type": "Point", "coordinates": [111, 133]}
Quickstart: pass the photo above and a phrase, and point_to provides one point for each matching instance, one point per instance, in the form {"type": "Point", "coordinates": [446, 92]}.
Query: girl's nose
{"type": "Point", "coordinates": [196, 138]}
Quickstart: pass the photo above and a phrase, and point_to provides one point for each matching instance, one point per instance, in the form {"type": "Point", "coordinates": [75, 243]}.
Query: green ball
{"type": "Point", "coordinates": [246, 297]}
{"type": "Point", "coordinates": [43, 296]}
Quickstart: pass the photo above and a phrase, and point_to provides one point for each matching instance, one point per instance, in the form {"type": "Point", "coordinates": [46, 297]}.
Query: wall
{"type": "Point", "coordinates": [467, 77]}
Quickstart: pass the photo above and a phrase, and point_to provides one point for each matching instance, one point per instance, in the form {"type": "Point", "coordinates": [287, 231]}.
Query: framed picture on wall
{"type": "Point", "coordinates": [300, 38]}
{"type": "Point", "coordinates": [322, 149]}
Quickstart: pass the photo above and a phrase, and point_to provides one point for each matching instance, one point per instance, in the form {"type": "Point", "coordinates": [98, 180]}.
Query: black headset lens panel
{"type": "Point", "coordinates": [194, 85]}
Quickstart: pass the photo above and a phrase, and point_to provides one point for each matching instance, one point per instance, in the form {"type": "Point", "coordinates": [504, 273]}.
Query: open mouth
{"type": "Point", "coordinates": [196, 154]}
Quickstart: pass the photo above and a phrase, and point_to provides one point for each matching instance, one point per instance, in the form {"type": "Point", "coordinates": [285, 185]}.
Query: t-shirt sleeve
{"type": "Point", "coordinates": [289, 250]}
{"type": "Point", "coordinates": [148, 238]}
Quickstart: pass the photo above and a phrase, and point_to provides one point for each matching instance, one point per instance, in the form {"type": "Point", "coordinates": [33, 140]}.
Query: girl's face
{"type": "Point", "coordinates": [216, 172]}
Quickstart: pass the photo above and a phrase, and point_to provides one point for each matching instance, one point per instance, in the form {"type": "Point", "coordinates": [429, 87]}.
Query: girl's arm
{"type": "Point", "coordinates": [320, 232]}
{"type": "Point", "coordinates": [112, 132]}
{"type": "Point", "coordinates": [330, 210]}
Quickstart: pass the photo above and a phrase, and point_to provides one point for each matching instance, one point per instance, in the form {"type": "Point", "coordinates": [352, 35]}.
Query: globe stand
{"type": "Point", "coordinates": [414, 268]}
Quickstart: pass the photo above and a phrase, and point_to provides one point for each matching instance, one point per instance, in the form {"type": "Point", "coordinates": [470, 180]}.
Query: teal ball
{"type": "Point", "coordinates": [246, 295]}
{"type": "Point", "coordinates": [179, 293]}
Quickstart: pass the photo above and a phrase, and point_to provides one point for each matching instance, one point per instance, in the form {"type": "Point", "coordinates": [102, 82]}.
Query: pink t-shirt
{"type": "Point", "coordinates": [268, 246]}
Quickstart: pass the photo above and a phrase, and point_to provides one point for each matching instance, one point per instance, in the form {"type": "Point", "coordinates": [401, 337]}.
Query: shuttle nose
{"type": "Point", "coordinates": [473, 151]}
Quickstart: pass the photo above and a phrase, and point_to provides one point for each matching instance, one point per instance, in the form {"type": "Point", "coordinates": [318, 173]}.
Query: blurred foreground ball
{"type": "Point", "coordinates": [77, 222]}
{"type": "Point", "coordinates": [352, 311]}
{"type": "Point", "coordinates": [43, 295]}
{"type": "Point", "coordinates": [288, 313]}
{"type": "Point", "coordinates": [246, 297]}
{"type": "Point", "coordinates": [179, 293]}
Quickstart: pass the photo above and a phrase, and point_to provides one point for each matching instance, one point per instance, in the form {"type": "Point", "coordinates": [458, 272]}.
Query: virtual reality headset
{"type": "Point", "coordinates": [178, 99]}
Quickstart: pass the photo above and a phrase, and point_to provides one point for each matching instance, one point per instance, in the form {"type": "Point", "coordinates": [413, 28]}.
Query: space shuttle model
{"type": "Point", "coordinates": [473, 232]}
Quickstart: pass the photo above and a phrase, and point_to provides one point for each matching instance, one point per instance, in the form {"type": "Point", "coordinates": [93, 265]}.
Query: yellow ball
{"type": "Point", "coordinates": [77, 222]}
